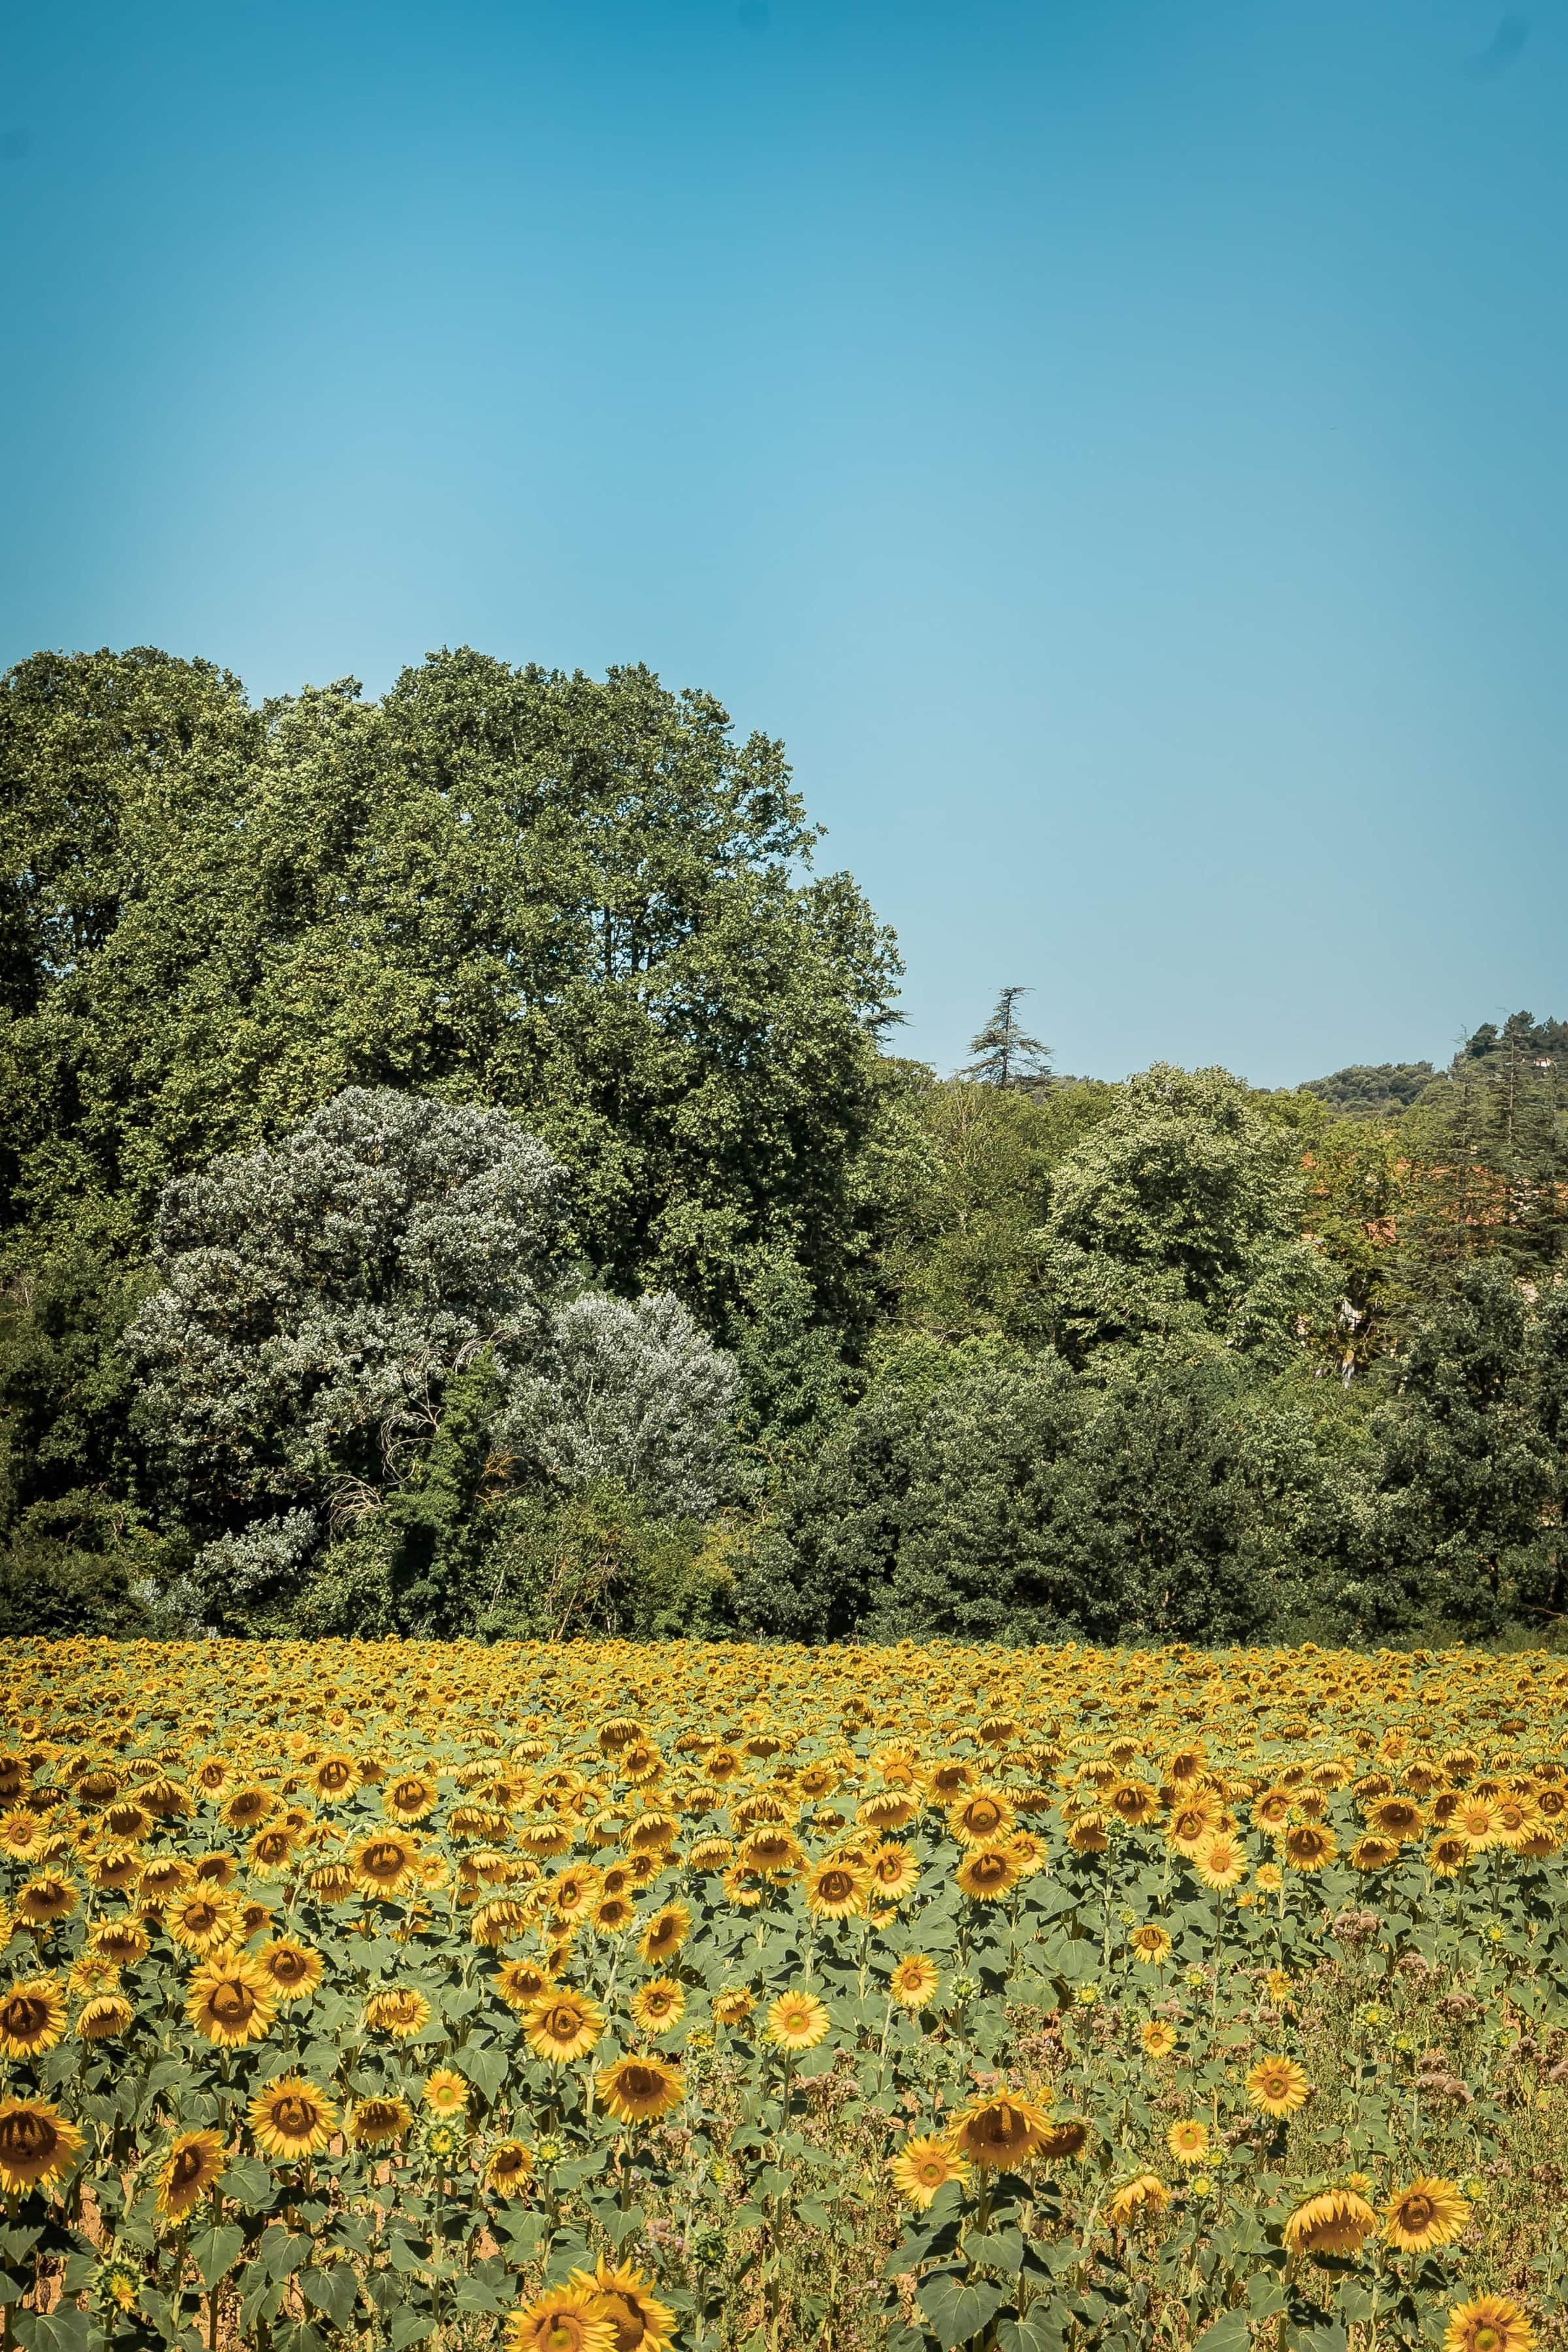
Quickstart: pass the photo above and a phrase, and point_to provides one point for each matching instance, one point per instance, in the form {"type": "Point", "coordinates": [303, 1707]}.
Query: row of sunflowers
{"type": "Point", "coordinates": [599, 1998]}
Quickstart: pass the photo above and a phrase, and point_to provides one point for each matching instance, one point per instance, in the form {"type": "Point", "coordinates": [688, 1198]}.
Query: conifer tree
{"type": "Point", "coordinates": [1006, 1054]}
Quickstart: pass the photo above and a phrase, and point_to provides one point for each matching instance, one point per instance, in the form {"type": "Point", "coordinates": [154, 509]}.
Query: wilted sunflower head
{"type": "Point", "coordinates": [401, 2011]}
{"type": "Point", "coordinates": [105, 2017]}
{"type": "Point", "coordinates": [1145, 2193]}
{"type": "Point", "coordinates": [1339, 2221]}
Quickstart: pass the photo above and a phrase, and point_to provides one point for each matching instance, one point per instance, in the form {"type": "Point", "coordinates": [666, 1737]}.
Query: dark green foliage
{"type": "Point", "coordinates": [1370, 1090]}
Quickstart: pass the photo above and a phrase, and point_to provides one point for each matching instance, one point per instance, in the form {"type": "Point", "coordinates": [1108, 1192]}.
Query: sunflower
{"type": "Point", "coordinates": [988, 1873]}
{"type": "Point", "coordinates": [658, 2004]}
{"type": "Point", "coordinates": [665, 1933]}
{"type": "Point", "coordinates": [983, 1817]}
{"type": "Point", "coordinates": [733, 2005]}
{"type": "Point", "coordinates": [1373, 1852]}
{"type": "Point", "coordinates": [22, 1833]}
{"type": "Point", "coordinates": [562, 2319]}
{"type": "Point", "coordinates": [1151, 1942]}
{"type": "Point", "coordinates": [232, 2000]}
{"type": "Point", "coordinates": [925, 2164]}
{"type": "Point", "coordinates": [32, 2017]}
{"type": "Point", "coordinates": [1000, 2131]}
{"type": "Point", "coordinates": [270, 1854]}
{"type": "Point", "coordinates": [36, 2144]}
{"type": "Point", "coordinates": [334, 1778]}
{"type": "Point", "coordinates": [192, 2165]}
{"type": "Point", "coordinates": [1278, 2086]}
{"type": "Point", "coordinates": [1427, 2212]}
{"type": "Point", "coordinates": [914, 1981]}
{"type": "Point", "coordinates": [895, 1870]}
{"type": "Point", "coordinates": [383, 1864]}
{"type": "Point", "coordinates": [521, 1981]}
{"type": "Point", "coordinates": [123, 1941]}
{"type": "Point", "coordinates": [709, 1853]}
{"type": "Point", "coordinates": [573, 1891]}
{"type": "Point", "coordinates": [1133, 1801]}
{"type": "Point", "coordinates": [409, 1797]}
{"type": "Point", "coordinates": [1448, 1855]}
{"type": "Point", "coordinates": [295, 1970]}
{"type": "Point", "coordinates": [446, 2092]}
{"type": "Point", "coordinates": [509, 2169]}
{"type": "Point", "coordinates": [613, 1914]}
{"type": "Point", "coordinates": [1220, 1862]}
{"type": "Point", "coordinates": [1336, 2222]}
{"type": "Point", "coordinates": [639, 2089]}
{"type": "Point", "coordinates": [401, 2011]}
{"type": "Point", "coordinates": [1188, 2140]}
{"type": "Point", "coordinates": [293, 2117]}
{"type": "Point", "coordinates": [1158, 2037]}
{"type": "Point", "coordinates": [105, 2017]}
{"type": "Point", "coordinates": [46, 1898]}
{"type": "Point", "coordinates": [771, 1852]}
{"type": "Point", "coordinates": [377, 2123]}
{"type": "Point", "coordinates": [1399, 1817]}
{"type": "Point", "coordinates": [1067, 2136]}
{"type": "Point", "coordinates": [797, 2020]}
{"type": "Point", "coordinates": [202, 1921]}
{"type": "Point", "coordinates": [1308, 1845]}
{"type": "Point", "coordinates": [498, 1920]}
{"type": "Point", "coordinates": [1489, 2324]}
{"type": "Point", "coordinates": [837, 1890]}
{"type": "Point", "coordinates": [1147, 2193]}
{"type": "Point", "coordinates": [1088, 1833]}
{"type": "Point", "coordinates": [561, 2024]}
{"type": "Point", "coordinates": [640, 2322]}
{"type": "Point", "coordinates": [1476, 1821]}
{"type": "Point", "coordinates": [115, 1870]}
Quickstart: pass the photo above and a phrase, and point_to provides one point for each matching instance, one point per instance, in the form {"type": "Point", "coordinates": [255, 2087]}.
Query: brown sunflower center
{"type": "Point", "coordinates": [26, 2137]}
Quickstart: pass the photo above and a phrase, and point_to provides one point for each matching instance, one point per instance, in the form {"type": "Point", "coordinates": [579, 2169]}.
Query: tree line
{"type": "Point", "coordinates": [457, 1178]}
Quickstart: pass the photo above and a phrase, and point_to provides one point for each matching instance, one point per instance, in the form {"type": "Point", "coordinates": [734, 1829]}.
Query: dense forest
{"type": "Point", "coordinates": [458, 1179]}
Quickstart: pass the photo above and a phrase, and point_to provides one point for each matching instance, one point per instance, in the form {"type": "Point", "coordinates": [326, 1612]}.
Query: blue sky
{"type": "Point", "coordinates": [1117, 443]}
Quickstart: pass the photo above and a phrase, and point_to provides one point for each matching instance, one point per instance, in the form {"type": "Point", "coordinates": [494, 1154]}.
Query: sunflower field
{"type": "Point", "coordinates": [596, 1996]}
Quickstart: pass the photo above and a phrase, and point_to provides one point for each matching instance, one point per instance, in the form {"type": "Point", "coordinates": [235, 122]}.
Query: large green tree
{"type": "Point", "coordinates": [582, 900]}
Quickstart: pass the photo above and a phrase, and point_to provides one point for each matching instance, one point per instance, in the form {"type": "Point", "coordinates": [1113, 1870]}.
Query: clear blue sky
{"type": "Point", "coordinates": [1117, 443]}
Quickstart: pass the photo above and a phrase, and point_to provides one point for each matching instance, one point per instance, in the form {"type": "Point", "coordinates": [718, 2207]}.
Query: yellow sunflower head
{"type": "Point", "coordinates": [925, 2164]}
{"type": "Point", "coordinates": [192, 2165]}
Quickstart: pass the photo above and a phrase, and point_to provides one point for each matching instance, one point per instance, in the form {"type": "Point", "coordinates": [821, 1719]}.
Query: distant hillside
{"type": "Point", "coordinates": [1367, 1089]}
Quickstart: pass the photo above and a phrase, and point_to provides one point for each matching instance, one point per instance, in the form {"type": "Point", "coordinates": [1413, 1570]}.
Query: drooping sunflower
{"type": "Point", "coordinates": [1338, 2221]}
{"type": "Point", "coordinates": [1399, 1817]}
{"type": "Point", "coordinates": [378, 2122]}
{"type": "Point", "coordinates": [32, 2017]}
{"type": "Point", "coordinates": [640, 2088]}
{"type": "Point", "coordinates": [495, 1921]}
{"type": "Point", "coordinates": [509, 2169]}
{"type": "Point", "coordinates": [1278, 2086]}
{"type": "Point", "coordinates": [292, 2118]}
{"type": "Point", "coordinates": [46, 1898]}
{"type": "Point", "coordinates": [562, 2319]}
{"type": "Point", "coordinates": [1067, 2136]}
{"type": "Point", "coordinates": [732, 2005]}
{"type": "Point", "coordinates": [1426, 2212]}
{"type": "Point", "coordinates": [36, 2144]}
{"type": "Point", "coordinates": [771, 1852]}
{"type": "Point", "coordinates": [401, 2011]}
{"type": "Point", "coordinates": [914, 1981]}
{"type": "Point", "coordinates": [561, 2024]}
{"type": "Point", "coordinates": [797, 2020]}
{"type": "Point", "coordinates": [105, 2017]}
{"type": "Point", "coordinates": [1490, 2323]}
{"type": "Point", "coordinates": [1188, 2140]}
{"type": "Point", "coordinates": [998, 2132]}
{"type": "Point", "coordinates": [1145, 2193]}
{"type": "Point", "coordinates": [1373, 1852]}
{"type": "Point", "coordinates": [1151, 1942]}
{"type": "Point", "coordinates": [709, 1853]}
{"type": "Point", "coordinates": [191, 2165]}
{"type": "Point", "coordinates": [231, 1999]}
{"type": "Point", "coordinates": [925, 2164]}
{"type": "Point", "coordinates": [623, 2296]}
{"type": "Point", "coordinates": [123, 1941]}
